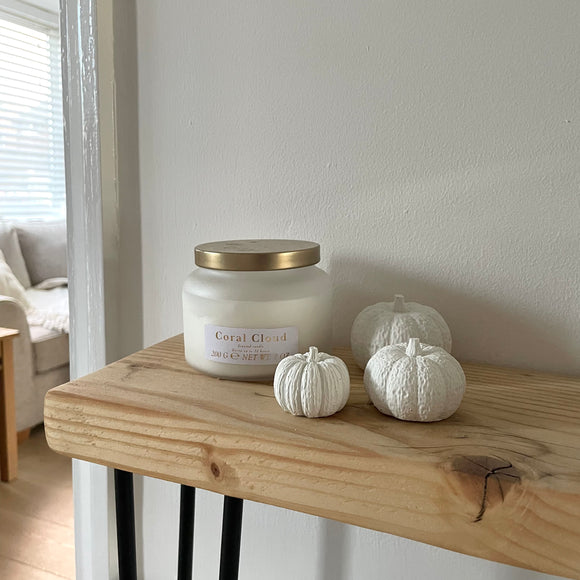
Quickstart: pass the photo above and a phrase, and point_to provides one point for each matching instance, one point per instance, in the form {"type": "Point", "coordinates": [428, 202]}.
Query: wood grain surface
{"type": "Point", "coordinates": [8, 437]}
{"type": "Point", "coordinates": [8, 333]}
{"type": "Point", "coordinates": [500, 479]}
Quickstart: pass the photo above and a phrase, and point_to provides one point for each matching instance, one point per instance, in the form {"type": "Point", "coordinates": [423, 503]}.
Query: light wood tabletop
{"type": "Point", "coordinates": [8, 333]}
{"type": "Point", "coordinates": [8, 436]}
{"type": "Point", "coordinates": [500, 479]}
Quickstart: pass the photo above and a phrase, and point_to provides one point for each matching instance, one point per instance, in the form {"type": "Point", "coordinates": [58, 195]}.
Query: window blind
{"type": "Point", "coordinates": [32, 181]}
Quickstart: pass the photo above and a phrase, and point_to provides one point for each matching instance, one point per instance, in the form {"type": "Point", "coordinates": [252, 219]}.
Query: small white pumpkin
{"type": "Point", "coordinates": [314, 384]}
{"type": "Point", "coordinates": [415, 382]}
{"type": "Point", "coordinates": [395, 322]}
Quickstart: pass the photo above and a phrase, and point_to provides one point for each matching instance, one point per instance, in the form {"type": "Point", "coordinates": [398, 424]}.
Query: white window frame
{"type": "Point", "coordinates": [88, 294]}
{"type": "Point", "coordinates": [105, 298]}
{"type": "Point", "coordinates": [29, 12]}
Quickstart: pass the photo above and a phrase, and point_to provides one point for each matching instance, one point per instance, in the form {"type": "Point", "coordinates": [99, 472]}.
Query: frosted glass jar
{"type": "Point", "coordinates": [253, 302]}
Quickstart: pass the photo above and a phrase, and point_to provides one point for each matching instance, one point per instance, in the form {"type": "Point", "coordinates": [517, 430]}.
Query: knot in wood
{"type": "Point", "coordinates": [215, 469]}
{"type": "Point", "coordinates": [485, 480]}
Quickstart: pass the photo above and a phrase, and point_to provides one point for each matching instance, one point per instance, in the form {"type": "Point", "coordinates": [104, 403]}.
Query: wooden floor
{"type": "Point", "coordinates": [36, 516]}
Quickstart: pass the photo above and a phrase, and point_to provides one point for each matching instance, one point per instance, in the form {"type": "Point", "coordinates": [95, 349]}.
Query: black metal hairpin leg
{"type": "Point", "coordinates": [186, 520]}
{"type": "Point", "coordinates": [125, 511]}
{"type": "Point", "coordinates": [231, 538]}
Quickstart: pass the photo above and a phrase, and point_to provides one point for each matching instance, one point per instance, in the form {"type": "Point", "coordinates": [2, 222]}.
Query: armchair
{"type": "Point", "coordinates": [41, 354]}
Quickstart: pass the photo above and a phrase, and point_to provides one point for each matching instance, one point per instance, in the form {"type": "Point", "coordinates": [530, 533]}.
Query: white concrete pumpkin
{"type": "Point", "coordinates": [314, 384]}
{"type": "Point", "coordinates": [393, 323]}
{"type": "Point", "coordinates": [415, 382]}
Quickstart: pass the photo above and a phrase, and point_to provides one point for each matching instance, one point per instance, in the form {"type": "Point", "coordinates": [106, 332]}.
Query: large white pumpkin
{"type": "Point", "coordinates": [314, 384]}
{"type": "Point", "coordinates": [393, 323]}
{"type": "Point", "coordinates": [415, 382]}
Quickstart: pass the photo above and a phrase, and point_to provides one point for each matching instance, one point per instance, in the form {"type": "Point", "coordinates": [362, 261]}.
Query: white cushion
{"type": "Point", "coordinates": [43, 246]}
{"type": "Point", "coordinates": [10, 285]}
{"type": "Point", "coordinates": [52, 283]}
{"type": "Point", "coordinates": [10, 245]}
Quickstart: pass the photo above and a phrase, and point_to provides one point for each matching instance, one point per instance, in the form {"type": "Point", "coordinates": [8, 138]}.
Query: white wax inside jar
{"type": "Point", "coordinates": [257, 316]}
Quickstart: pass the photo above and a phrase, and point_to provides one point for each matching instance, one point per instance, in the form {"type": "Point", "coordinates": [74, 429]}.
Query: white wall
{"type": "Point", "coordinates": [433, 148]}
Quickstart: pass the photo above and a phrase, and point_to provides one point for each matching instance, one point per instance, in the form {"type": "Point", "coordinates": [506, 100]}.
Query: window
{"type": "Point", "coordinates": [32, 182]}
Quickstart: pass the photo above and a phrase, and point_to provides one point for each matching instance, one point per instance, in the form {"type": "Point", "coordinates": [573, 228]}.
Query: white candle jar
{"type": "Point", "coordinates": [253, 302]}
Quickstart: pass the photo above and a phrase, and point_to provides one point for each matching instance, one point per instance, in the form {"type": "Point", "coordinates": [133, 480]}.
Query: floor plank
{"type": "Point", "coordinates": [13, 570]}
{"type": "Point", "coordinates": [36, 516]}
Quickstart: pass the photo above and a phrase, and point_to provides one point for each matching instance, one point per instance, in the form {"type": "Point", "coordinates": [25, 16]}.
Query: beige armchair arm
{"type": "Point", "coordinates": [12, 315]}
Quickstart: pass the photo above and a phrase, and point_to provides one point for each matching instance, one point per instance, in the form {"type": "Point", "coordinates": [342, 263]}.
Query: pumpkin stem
{"type": "Point", "coordinates": [312, 354]}
{"type": "Point", "coordinates": [399, 304]}
{"type": "Point", "coordinates": [414, 347]}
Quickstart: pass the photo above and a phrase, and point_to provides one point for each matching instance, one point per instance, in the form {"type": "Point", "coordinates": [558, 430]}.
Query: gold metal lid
{"type": "Point", "coordinates": [256, 255]}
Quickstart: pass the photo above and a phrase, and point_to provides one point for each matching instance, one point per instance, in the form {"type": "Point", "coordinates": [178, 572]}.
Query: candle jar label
{"type": "Point", "coordinates": [249, 346]}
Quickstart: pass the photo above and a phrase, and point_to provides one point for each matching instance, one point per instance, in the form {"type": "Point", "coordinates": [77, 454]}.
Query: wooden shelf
{"type": "Point", "coordinates": [499, 480]}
